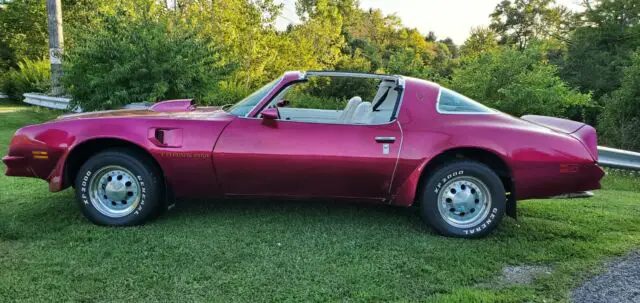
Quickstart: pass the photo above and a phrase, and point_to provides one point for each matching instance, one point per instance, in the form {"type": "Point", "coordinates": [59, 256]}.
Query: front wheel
{"type": "Point", "coordinates": [463, 199]}
{"type": "Point", "coordinates": [119, 187]}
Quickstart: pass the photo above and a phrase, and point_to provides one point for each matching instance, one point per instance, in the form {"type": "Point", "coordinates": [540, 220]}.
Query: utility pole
{"type": "Point", "coordinates": [56, 43]}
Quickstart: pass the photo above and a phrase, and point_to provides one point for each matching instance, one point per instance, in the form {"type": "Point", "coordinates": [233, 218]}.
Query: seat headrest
{"type": "Point", "coordinates": [354, 100]}
{"type": "Point", "coordinates": [363, 113]}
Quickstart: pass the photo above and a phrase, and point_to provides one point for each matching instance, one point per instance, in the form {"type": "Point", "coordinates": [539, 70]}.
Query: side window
{"type": "Point", "coordinates": [336, 100]}
{"type": "Point", "coordinates": [452, 102]}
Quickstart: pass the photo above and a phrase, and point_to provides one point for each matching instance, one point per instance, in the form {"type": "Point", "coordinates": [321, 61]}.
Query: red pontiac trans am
{"type": "Point", "coordinates": [415, 142]}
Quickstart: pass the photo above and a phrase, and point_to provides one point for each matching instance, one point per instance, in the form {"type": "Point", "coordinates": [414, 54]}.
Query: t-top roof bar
{"type": "Point", "coordinates": [397, 79]}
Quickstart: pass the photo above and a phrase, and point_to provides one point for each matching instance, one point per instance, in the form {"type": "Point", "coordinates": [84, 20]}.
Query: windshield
{"type": "Point", "coordinates": [245, 106]}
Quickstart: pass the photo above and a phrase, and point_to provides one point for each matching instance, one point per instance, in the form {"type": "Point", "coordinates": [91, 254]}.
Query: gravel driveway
{"type": "Point", "coordinates": [621, 283]}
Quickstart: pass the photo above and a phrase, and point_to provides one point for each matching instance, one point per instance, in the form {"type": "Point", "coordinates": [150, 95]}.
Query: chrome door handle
{"type": "Point", "coordinates": [385, 139]}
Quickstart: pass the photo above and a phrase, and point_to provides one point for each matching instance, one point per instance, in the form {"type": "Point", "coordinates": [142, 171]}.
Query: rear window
{"type": "Point", "coordinates": [455, 103]}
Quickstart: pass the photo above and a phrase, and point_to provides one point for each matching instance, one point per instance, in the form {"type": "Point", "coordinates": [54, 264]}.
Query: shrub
{"type": "Point", "coordinates": [620, 121]}
{"type": "Point", "coordinates": [300, 99]}
{"type": "Point", "coordinates": [138, 58]}
{"type": "Point", "coordinates": [31, 76]}
{"type": "Point", "coordinates": [227, 92]}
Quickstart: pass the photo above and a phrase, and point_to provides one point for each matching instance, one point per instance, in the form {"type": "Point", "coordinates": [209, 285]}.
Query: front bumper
{"type": "Point", "coordinates": [17, 167]}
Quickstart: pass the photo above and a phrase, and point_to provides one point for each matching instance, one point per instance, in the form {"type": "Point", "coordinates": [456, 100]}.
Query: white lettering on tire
{"type": "Point", "coordinates": [444, 180]}
{"type": "Point", "coordinates": [483, 225]}
{"type": "Point", "coordinates": [83, 188]}
{"type": "Point", "coordinates": [143, 196]}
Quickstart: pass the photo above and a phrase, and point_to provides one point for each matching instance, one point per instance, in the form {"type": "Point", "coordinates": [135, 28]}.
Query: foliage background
{"type": "Point", "coordinates": [536, 57]}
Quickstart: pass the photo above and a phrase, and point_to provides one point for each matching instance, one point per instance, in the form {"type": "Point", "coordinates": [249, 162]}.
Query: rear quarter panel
{"type": "Point", "coordinates": [534, 154]}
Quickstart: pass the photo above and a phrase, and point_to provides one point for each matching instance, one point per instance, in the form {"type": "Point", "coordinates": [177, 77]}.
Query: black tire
{"type": "Point", "coordinates": [145, 204]}
{"type": "Point", "coordinates": [447, 177]}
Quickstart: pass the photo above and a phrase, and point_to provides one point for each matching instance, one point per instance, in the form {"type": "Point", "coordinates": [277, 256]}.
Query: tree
{"type": "Point", "coordinates": [620, 13]}
{"type": "Point", "coordinates": [348, 9]}
{"type": "Point", "coordinates": [23, 27]}
{"type": "Point", "coordinates": [323, 32]}
{"type": "Point", "coordinates": [451, 46]}
{"type": "Point", "coordinates": [408, 62]}
{"type": "Point", "coordinates": [599, 50]}
{"type": "Point", "coordinates": [620, 122]}
{"type": "Point", "coordinates": [519, 21]}
{"type": "Point", "coordinates": [431, 37]}
{"type": "Point", "coordinates": [518, 83]}
{"type": "Point", "coordinates": [242, 31]}
{"type": "Point", "coordinates": [23, 32]}
{"type": "Point", "coordinates": [480, 41]}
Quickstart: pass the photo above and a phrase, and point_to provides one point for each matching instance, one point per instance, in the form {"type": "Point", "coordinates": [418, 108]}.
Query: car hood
{"type": "Point", "coordinates": [133, 113]}
{"type": "Point", "coordinates": [171, 108]}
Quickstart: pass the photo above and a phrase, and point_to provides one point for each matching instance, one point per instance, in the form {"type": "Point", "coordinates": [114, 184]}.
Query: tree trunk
{"type": "Point", "coordinates": [56, 42]}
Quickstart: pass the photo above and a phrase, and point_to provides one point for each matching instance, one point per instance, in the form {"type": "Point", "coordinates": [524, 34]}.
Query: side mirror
{"type": "Point", "coordinates": [270, 114]}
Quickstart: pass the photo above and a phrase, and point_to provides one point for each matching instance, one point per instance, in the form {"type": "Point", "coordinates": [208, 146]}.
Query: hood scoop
{"type": "Point", "coordinates": [174, 106]}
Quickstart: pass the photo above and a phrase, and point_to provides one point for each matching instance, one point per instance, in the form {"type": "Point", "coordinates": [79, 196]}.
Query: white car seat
{"type": "Point", "coordinates": [363, 114]}
{"type": "Point", "coordinates": [347, 113]}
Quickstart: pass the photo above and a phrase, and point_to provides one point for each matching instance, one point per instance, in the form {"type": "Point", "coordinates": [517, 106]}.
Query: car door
{"type": "Point", "coordinates": [255, 156]}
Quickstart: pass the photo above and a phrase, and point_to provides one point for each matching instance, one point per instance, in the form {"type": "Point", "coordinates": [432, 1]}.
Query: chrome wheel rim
{"type": "Point", "coordinates": [464, 202]}
{"type": "Point", "coordinates": [115, 192]}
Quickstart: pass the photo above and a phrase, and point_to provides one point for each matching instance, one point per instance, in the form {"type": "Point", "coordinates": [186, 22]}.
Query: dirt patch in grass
{"type": "Point", "coordinates": [514, 275]}
{"type": "Point", "coordinates": [523, 274]}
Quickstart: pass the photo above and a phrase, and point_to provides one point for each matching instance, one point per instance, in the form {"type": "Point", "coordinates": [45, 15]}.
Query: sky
{"type": "Point", "coordinates": [447, 18]}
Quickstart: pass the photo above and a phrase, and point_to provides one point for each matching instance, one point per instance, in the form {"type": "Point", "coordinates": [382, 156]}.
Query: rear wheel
{"type": "Point", "coordinates": [119, 188]}
{"type": "Point", "coordinates": [463, 199]}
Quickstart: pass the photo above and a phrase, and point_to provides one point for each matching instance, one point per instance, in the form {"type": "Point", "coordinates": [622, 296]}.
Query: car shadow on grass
{"type": "Point", "coordinates": [310, 211]}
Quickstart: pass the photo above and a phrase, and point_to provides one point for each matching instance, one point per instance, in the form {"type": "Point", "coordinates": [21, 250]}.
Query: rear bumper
{"type": "Point", "coordinates": [17, 167]}
{"type": "Point", "coordinates": [549, 181]}
{"type": "Point", "coordinates": [591, 177]}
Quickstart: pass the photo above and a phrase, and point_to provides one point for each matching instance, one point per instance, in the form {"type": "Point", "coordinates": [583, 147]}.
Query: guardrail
{"type": "Point", "coordinates": [48, 101]}
{"type": "Point", "coordinates": [618, 158]}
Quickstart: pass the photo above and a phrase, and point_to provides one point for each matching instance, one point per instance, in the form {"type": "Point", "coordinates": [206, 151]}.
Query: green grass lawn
{"type": "Point", "coordinates": [296, 251]}
{"type": "Point", "coordinates": [6, 106]}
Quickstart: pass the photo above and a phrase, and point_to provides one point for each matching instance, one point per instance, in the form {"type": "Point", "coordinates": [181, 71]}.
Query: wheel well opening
{"type": "Point", "coordinates": [486, 157]}
{"type": "Point", "coordinates": [81, 153]}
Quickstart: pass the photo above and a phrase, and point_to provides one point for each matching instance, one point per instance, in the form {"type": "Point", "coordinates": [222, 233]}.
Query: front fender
{"type": "Point", "coordinates": [36, 150]}
{"type": "Point", "coordinates": [58, 178]}
{"type": "Point", "coordinates": [42, 151]}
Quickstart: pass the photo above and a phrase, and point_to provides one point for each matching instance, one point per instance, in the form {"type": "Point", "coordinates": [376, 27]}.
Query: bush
{"type": "Point", "coordinates": [343, 88]}
{"type": "Point", "coordinates": [227, 92]}
{"type": "Point", "coordinates": [138, 58]}
{"type": "Point", "coordinates": [519, 83]}
{"type": "Point", "coordinates": [620, 121]}
{"type": "Point", "coordinates": [30, 77]}
{"type": "Point", "coordinates": [300, 99]}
